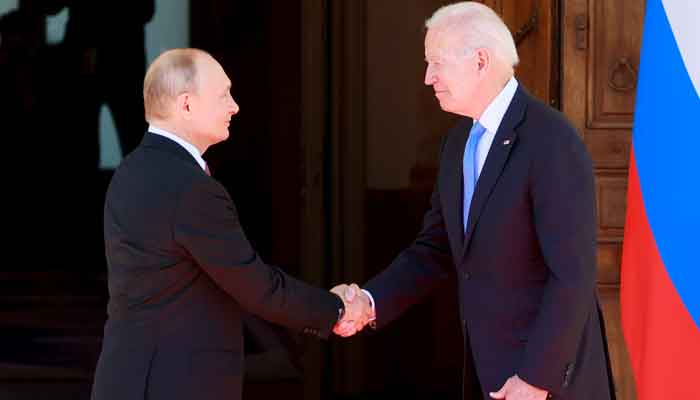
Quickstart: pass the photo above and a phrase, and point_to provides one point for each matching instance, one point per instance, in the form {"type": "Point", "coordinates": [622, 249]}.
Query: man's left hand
{"type": "Point", "coordinates": [517, 389]}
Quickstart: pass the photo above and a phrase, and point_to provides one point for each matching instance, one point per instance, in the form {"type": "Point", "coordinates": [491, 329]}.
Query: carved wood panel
{"type": "Point", "coordinates": [609, 148]}
{"type": "Point", "coordinates": [532, 22]}
{"type": "Point", "coordinates": [612, 192]}
{"type": "Point", "coordinates": [600, 43]}
{"type": "Point", "coordinates": [609, 262]}
{"type": "Point", "coordinates": [613, 62]}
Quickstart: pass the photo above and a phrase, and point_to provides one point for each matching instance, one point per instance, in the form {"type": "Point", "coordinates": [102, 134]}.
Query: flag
{"type": "Point", "coordinates": [660, 281]}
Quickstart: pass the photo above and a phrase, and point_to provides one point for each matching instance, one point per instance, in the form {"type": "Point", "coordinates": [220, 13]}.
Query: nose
{"type": "Point", "coordinates": [429, 78]}
{"type": "Point", "coordinates": [234, 107]}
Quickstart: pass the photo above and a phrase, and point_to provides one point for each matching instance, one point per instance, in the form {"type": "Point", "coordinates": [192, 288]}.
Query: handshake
{"type": "Point", "coordinates": [359, 310]}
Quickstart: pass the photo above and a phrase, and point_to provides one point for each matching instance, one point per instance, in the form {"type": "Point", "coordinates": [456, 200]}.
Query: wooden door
{"type": "Point", "coordinates": [386, 129]}
{"type": "Point", "coordinates": [600, 59]}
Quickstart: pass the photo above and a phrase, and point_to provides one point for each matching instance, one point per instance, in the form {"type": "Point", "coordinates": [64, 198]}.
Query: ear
{"type": "Point", "coordinates": [183, 105]}
{"type": "Point", "coordinates": [483, 60]}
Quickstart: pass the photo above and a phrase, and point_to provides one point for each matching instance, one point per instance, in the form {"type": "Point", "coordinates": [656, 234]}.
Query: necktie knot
{"type": "Point", "coordinates": [477, 131]}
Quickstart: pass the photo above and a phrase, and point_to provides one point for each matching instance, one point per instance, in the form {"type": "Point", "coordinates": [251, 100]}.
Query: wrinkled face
{"type": "Point", "coordinates": [451, 70]}
{"type": "Point", "coordinates": [212, 106]}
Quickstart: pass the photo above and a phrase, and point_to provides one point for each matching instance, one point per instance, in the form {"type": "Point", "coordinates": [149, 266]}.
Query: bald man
{"type": "Point", "coordinates": [181, 272]}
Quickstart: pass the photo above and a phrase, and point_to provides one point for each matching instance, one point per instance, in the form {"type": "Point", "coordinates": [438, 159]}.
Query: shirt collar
{"type": "Point", "coordinates": [496, 110]}
{"type": "Point", "coordinates": [182, 142]}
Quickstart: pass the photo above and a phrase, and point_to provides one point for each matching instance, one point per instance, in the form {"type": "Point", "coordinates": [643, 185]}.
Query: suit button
{"type": "Point", "coordinates": [569, 369]}
{"type": "Point", "coordinates": [466, 275]}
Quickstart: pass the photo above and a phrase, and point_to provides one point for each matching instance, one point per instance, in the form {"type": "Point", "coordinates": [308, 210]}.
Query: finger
{"type": "Point", "coordinates": [339, 327]}
{"type": "Point", "coordinates": [350, 292]}
{"type": "Point", "coordinates": [349, 333]}
{"type": "Point", "coordinates": [347, 330]}
{"type": "Point", "coordinates": [346, 333]}
{"type": "Point", "coordinates": [342, 329]}
{"type": "Point", "coordinates": [346, 324]}
{"type": "Point", "coordinates": [356, 289]}
{"type": "Point", "coordinates": [501, 393]}
{"type": "Point", "coordinates": [340, 290]}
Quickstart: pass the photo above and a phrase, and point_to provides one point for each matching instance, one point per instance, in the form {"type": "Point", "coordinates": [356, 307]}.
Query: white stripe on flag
{"type": "Point", "coordinates": [684, 17]}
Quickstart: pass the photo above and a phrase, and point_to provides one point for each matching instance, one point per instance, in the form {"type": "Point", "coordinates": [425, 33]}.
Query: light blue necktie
{"type": "Point", "coordinates": [470, 168]}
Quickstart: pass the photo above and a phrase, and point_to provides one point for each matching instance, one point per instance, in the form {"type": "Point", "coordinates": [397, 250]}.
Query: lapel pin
{"type": "Point", "coordinates": [506, 142]}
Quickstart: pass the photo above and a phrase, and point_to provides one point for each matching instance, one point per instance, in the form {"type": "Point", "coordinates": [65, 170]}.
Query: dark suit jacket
{"type": "Point", "coordinates": [526, 265]}
{"type": "Point", "coordinates": [181, 275]}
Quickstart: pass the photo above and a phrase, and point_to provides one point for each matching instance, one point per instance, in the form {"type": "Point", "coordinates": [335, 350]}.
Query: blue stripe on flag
{"type": "Point", "coordinates": [666, 140]}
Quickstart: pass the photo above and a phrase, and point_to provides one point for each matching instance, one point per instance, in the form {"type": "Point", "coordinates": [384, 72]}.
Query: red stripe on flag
{"type": "Point", "coordinates": [662, 340]}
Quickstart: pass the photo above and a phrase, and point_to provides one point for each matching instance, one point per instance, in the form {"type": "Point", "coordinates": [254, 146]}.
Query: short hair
{"type": "Point", "coordinates": [479, 26]}
{"type": "Point", "coordinates": [172, 73]}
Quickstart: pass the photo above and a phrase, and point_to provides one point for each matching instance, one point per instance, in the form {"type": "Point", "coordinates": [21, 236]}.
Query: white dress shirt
{"type": "Point", "coordinates": [491, 120]}
{"type": "Point", "coordinates": [182, 142]}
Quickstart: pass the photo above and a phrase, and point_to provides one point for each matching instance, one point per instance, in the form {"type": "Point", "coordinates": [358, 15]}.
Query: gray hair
{"type": "Point", "coordinates": [172, 73]}
{"type": "Point", "coordinates": [479, 26]}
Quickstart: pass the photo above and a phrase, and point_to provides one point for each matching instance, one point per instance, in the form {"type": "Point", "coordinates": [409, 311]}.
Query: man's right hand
{"type": "Point", "coordinates": [358, 310]}
{"type": "Point", "coordinates": [517, 389]}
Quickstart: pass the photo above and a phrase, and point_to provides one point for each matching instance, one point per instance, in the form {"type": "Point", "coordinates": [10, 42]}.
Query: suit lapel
{"type": "Point", "coordinates": [503, 143]}
{"type": "Point", "coordinates": [454, 189]}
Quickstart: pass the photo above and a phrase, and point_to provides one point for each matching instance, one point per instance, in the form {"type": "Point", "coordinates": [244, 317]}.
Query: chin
{"type": "Point", "coordinates": [218, 138]}
{"type": "Point", "coordinates": [446, 106]}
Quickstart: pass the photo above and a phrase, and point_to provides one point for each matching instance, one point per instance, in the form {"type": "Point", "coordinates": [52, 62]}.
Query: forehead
{"type": "Point", "coordinates": [212, 73]}
{"type": "Point", "coordinates": [440, 41]}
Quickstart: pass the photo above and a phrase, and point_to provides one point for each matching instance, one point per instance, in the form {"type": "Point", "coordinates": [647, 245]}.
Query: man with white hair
{"type": "Point", "coordinates": [513, 211]}
{"type": "Point", "coordinates": [181, 273]}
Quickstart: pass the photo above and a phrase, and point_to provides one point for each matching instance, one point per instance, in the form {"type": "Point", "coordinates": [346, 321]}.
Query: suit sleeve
{"type": "Point", "coordinates": [417, 270]}
{"type": "Point", "coordinates": [207, 226]}
{"type": "Point", "coordinates": [563, 200]}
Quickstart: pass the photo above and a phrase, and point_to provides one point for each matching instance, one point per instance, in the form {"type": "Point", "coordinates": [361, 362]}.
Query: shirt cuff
{"type": "Point", "coordinates": [371, 303]}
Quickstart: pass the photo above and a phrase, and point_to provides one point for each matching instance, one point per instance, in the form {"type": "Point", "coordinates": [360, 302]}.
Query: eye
{"type": "Point", "coordinates": [434, 65]}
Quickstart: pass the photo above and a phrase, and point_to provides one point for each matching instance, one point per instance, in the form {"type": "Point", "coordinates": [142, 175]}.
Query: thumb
{"type": "Point", "coordinates": [501, 394]}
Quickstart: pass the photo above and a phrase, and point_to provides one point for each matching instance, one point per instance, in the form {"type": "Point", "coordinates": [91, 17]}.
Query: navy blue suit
{"type": "Point", "coordinates": [526, 265]}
